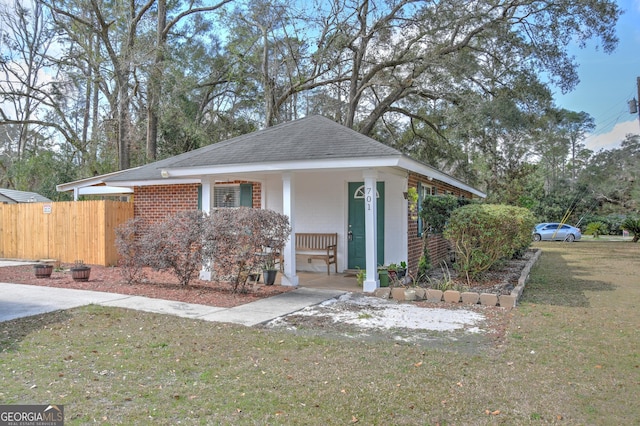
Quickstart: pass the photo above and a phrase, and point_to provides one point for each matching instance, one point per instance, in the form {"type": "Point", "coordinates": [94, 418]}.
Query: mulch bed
{"type": "Point", "coordinates": [159, 285]}
{"type": "Point", "coordinates": [499, 279]}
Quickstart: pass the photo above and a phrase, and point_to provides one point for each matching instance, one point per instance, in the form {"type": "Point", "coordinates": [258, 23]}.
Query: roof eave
{"type": "Point", "coordinates": [423, 169]}
{"type": "Point", "coordinates": [92, 181]}
{"type": "Point", "coordinates": [306, 165]}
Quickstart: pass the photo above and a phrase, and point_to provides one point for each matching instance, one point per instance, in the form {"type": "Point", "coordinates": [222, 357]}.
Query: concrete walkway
{"type": "Point", "coordinates": [19, 300]}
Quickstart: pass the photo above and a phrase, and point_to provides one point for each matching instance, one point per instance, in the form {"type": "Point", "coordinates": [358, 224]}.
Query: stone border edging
{"type": "Point", "coordinates": [467, 297]}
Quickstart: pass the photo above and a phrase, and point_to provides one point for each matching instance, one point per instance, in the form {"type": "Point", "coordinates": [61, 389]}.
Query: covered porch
{"type": "Point", "coordinates": [345, 281]}
{"type": "Point", "coordinates": [365, 207]}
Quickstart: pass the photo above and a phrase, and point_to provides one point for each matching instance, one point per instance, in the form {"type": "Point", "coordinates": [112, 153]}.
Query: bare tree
{"type": "Point", "coordinates": [28, 37]}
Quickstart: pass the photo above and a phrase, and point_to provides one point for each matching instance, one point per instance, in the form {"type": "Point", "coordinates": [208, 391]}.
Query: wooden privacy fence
{"type": "Point", "coordinates": [65, 231]}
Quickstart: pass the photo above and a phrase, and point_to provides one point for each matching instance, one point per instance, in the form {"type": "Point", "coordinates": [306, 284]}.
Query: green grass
{"type": "Point", "coordinates": [570, 356]}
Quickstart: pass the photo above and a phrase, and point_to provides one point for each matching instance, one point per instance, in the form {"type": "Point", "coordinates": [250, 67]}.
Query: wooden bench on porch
{"type": "Point", "coordinates": [318, 246]}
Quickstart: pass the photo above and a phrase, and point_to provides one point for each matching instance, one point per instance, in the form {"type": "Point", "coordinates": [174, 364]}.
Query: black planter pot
{"type": "Point", "coordinates": [81, 273]}
{"type": "Point", "coordinates": [270, 276]}
{"type": "Point", "coordinates": [43, 271]}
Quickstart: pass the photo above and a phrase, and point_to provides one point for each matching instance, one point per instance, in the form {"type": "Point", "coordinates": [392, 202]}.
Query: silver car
{"type": "Point", "coordinates": [556, 232]}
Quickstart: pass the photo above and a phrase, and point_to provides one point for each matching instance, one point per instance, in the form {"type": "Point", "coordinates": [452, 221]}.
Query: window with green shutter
{"type": "Point", "coordinates": [233, 195]}
{"type": "Point", "coordinates": [246, 194]}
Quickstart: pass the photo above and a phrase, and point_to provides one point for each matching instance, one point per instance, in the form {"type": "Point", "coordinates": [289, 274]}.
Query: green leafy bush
{"type": "Point", "coordinates": [632, 225]}
{"type": "Point", "coordinates": [482, 234]}
{"type": "Point", "coordinates": [596, 229]}
{"type": "Point", "coordinates": [612, 222]}
{"type": "Point", "coordinates": [436, 211]}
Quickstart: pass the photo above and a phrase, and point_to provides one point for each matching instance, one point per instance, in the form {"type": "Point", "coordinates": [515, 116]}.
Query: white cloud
{"type": "Point", "coordinates": [613, 138]}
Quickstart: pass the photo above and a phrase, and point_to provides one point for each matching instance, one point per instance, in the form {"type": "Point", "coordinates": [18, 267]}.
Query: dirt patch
{"type": "Point", "coordinates": [463, 328]}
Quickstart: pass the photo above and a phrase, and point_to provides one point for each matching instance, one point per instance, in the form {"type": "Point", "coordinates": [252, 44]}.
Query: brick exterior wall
{"type": "Point", "coordinates": [257, 195]}
{"type": "Point", "coordinates": [438, 246]}
{"type": "Point", "coordinates": [155, 203]}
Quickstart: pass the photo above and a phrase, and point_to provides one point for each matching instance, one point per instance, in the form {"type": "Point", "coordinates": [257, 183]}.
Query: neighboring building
{"type": "Point", "coordinates": [11, 196]}
{"type": "Point", "coordinates": [319, 173]}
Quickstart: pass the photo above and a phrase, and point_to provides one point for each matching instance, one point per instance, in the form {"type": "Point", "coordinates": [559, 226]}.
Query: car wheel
{"type": "Point", "coordinates": [537, 237]}
{"type": "Point", "coordinates": [570, 238]}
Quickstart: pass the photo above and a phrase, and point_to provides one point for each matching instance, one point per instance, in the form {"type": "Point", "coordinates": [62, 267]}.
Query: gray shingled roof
{"type": "Point", "coordinates": [310, 138]}
{"type": "Point", "coordinates": [23, 196]}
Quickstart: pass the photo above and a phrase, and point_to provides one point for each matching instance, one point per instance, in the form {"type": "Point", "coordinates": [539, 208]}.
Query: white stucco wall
{"type": "Point", "coordinates": [321, 205]}
{"type": "Point", "coordinates": [395, 226]}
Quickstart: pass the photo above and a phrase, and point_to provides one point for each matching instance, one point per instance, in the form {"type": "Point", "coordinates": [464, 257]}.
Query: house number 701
{"type": "Point", "coordinates": [369, 198]}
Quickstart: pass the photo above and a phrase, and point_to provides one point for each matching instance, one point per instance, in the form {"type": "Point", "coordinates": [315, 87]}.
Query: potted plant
{"type": "Point", "coordinates": [80, 271]}
{"type": "Point", "coordinates": [269, 270]}
{"type": "Point", "coordinates": [392, 268]}
{"type": "Point", "coordinates": [402, 269]}
{"type": "Point", "coordinates": [383, 276]}
{"type": "Point", "coordinates": [43, 270]}
{"type": "Point", "coordinates": [361, 276]}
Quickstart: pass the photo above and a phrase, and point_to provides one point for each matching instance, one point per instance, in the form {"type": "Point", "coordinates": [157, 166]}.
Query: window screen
{"type": "Point", "coordinates": [226, 196]}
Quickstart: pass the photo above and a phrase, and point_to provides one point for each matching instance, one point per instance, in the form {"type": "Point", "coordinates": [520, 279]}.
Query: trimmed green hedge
{"type": "Point", "coordinates": [482, 234]}
{"type": "Point", "coordinates": [436, 211]}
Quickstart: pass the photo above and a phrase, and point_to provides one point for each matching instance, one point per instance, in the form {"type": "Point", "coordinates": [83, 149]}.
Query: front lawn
{"type": "Point", "coordinates": [570, 356]}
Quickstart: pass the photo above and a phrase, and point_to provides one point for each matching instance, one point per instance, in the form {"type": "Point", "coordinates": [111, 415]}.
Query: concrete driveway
{"type": "Point", "coordinates": [17, 300]}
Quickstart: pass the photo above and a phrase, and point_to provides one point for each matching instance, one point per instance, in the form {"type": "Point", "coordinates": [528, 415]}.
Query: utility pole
{"type": "Point", "coordinates": [633, 105]}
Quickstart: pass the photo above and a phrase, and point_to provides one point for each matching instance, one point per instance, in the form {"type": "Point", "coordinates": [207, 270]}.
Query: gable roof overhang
{"type": "Point", "coordinates": [313, 143]}
{"type": "Point", "coordinates": [399, 163]}
{"type": "Point", "coordinates": [95, 185]}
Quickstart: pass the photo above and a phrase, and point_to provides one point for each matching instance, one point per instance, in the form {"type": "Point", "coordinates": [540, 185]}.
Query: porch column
{"type": "Point", "coordinates": [290, 277]}
{"type": "Point", "coordinates": [207, 190]}
{"type": "Point", "coordinates": [370, 230]}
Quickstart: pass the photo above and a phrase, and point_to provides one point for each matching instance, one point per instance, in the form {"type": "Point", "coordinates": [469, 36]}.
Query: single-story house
{"type": "Point", "coordinates": [325, 177]}
{"type": "Point", "coordinates": [11, 196]}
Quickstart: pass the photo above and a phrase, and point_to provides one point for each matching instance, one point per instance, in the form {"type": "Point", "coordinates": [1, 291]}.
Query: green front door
{"type": "Point", "coordinates": [357, 242]}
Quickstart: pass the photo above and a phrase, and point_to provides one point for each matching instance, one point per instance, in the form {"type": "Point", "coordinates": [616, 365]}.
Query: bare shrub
{"type": "Point", "coordinates": [238, 239]}
{"type": "Point", "coordinates": [128, 244]}
{"type": "Point", "coordinates": [175, 245]}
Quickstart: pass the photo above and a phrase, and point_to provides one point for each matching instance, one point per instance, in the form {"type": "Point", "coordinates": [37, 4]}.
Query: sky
{"type": "Point", "coordinates": [608, 82]}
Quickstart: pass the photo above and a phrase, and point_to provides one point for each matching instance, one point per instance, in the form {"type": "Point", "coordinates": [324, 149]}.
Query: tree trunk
{"type": "Point", "coordinates": [269, 98]}
{"type": "Point", "coordinates": [123, 124]}
{"type": "Point", "coordinates": [155, 84]}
